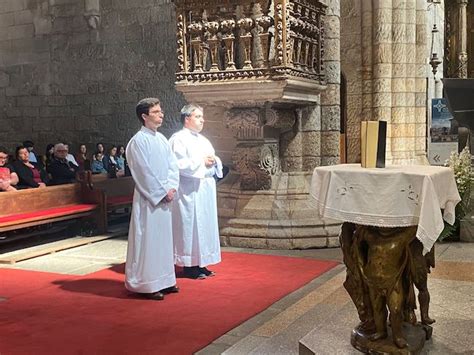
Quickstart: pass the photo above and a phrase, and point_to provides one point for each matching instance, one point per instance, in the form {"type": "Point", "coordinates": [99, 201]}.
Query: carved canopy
{"type": "Point", "coordinates": [223, 40]}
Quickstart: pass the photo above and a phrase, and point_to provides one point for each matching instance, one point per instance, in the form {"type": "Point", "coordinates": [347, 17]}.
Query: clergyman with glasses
{"type": "Point", "coordinates": [149, 269]}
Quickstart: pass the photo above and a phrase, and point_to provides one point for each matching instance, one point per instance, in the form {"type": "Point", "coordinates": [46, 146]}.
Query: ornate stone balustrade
{"type": "Point", "coordinates": [225, 40]}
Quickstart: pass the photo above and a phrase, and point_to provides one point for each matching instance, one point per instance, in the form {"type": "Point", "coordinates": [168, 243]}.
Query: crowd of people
{"type": "Point", "coordinates": [26, 169]}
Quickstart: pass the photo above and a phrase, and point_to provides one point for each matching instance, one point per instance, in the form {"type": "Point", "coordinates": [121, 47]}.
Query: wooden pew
{"type": "Point", "coordinates": [118, 192]}
{"type": "Point", "coordinates": [33, 207]}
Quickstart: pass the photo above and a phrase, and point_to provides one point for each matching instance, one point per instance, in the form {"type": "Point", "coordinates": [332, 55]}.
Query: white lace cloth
{"type": "Point", "coordinates": [396, 196]}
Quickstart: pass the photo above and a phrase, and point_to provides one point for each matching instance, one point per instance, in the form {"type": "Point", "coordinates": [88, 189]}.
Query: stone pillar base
{"type": "Point", "coordinates": [466, 233]}
{"type": "Point", "coordinates": [283, 217]}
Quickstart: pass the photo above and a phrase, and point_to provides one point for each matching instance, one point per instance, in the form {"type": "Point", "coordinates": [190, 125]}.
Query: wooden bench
{"type": "Point", "coordinates": [118, 192]}
{"type": "Point", "coordinates": [33, 207]}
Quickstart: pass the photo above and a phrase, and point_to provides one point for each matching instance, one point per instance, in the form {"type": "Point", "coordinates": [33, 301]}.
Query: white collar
{"type": "Point", "coordinates": [145, 129]}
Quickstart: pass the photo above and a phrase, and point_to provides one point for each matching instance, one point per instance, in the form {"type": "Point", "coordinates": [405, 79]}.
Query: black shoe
{"type": "Point", "coordinates": [172, 289]}
{"type": "Point", "coordinates": [193, 272]}
{"type": "Point", "coordinates": [157, 296]}
{"type": "Point", "coordinates": [206, 271]}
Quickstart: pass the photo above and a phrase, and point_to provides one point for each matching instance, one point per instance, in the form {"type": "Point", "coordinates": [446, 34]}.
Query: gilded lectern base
{"type": "Point", "coordinates": [414, 334]}
{"type": "Point", "coordinates": [384, 268]}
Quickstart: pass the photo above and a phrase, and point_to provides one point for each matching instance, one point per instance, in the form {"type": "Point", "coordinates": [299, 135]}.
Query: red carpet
{"type": "Point", "coordinates": [60, 314]}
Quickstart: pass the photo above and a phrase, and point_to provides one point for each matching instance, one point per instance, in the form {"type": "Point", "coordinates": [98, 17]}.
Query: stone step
{"type": "Point", "coordinates": [53, 247]}
{"type": "Point", "coordinates": [295, 223]}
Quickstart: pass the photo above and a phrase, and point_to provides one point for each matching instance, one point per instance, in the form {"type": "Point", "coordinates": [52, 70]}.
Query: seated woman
{"type": "Point", "coordinates": [120, 157]}
{"type": "Point", "coordinates": [110, 163]}
{"type": "Point", "coordinates": [8, 176]}
{"type": "Point", "coordinates": [82, 159]}
{"type": "Point", "coordinates": [99, 149]}
{"type": "Point", "coordinates": [97, 166]}
{"type": "Point", "coordinates": [48, 155]}
{"type": "Point", "coordinates": [30, 175]}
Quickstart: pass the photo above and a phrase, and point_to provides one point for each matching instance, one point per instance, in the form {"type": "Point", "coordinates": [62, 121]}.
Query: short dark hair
{"type": "Point", "coordinates": [20, 147]}
{"type": "Point", "coordinates": [3, 150]}
{"type": "Point", "coordinates": [28, 144]}
{"type": "Point", "coordinates": [188, 110]}
{"type": "Point", "coordinates": [143, 107]}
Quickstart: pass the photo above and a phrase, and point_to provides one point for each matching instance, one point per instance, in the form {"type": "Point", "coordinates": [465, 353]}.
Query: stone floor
{"type": "Point", "coordinates": [318, 316]}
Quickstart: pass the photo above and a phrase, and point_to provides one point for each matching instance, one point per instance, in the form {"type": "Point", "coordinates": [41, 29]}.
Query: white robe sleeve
{"type": "Point", "coordinates": [189, 166]}
{"type": "Point", "coordinates": [173, 173]}
{"type": "Point", "coordinates": [218, 167]}
{"type": "Point", "coordinates": [146, 180]}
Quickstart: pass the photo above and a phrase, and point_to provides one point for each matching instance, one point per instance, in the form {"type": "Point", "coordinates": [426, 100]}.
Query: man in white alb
{"type": "Point", "coordinates": [149, 268]}
{"type": "Point", "coordinates": [195, 228]}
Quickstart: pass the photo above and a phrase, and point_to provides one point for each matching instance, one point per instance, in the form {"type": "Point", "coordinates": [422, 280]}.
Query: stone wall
{"type": "Point", "coordinates": [73, 70]}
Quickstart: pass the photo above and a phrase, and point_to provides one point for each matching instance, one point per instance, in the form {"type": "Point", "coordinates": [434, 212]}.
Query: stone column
{"type": "Point", "coordinates": [462, 39]}
{"type": "Point", "coordinates": [367, 60]}
{"type": "Point", "coordinates": [330, 99]}
{"type": "Point", "coordinates": [422, 54]}
{"type": "Point", "coordinates": [382, 66]}
{"type": "Point", "coordinates": [402, 128]}
{"type": "Point", "coordinates": [464, 133]}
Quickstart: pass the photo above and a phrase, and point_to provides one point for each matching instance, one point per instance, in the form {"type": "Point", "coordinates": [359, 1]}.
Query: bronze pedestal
{"type": "Point", "coordinates": [384, 266]}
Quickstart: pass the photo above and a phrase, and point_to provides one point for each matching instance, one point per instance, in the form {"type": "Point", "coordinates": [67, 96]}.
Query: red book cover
{"type": "Point", "coordinates": [4, 174]}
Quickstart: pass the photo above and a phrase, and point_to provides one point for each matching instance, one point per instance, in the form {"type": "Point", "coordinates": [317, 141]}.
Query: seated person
{"type": "Point", "coordinates": [81, 158]}
{"type": "Point", "coordinates": [120, 157]}
{"type": "Point", "coordinates": [62, 171]}
{"type": "Point", "coordinates": [9, 179]}
{"type": "Point", "coordinates": [97, 166]}
{"type": "Point", "coordinates": [33, 158]}
{"type": "Point", "coordinates": [48, 155]}
{"type": "Point", "coordinates": [110, 163]}
{"type": "Point", "coordinates": [70, 158]}
{"type": "Point", "coordinates": [30, 175]}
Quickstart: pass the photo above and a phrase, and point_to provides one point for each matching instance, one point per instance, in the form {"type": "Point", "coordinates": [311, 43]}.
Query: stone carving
{"type": "Point", "coordinates": [246, 24]}
{"type": "Point", "coordinates": [383, 266]}
{"type": "Point", "coordinates": [246, 123]}
{"type": "Point", "coordinates": [264, 23]}
{"type": "Point", "coordinates": [181, 51]}
{"type": "Point", "coordinates": [213, 41]}
{"type": "Point", "coordinates": [257, 156]}
{"type": "Point", "coordinates": [241, 37]}
{"type": "Point", "coordinates": [269, 159]}
{"type": "Point", "coordinates": [256, 163]}
{"type": "Point", "coordinates": [196, 30]}
{"type": "Point", "coordinates": [462, 60]}
{"type": "Point", "coordinates": [282, 119]}
{"type": "Point", "coordinates": [228, 38]}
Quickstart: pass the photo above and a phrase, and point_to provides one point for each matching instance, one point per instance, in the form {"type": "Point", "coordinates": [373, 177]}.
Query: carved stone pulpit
{"type": "Point", "coordinates": [262, 62]}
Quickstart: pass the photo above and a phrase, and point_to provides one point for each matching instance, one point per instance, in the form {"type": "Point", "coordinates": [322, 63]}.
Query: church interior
{"type": "Point", "coordinates": [322, 252]}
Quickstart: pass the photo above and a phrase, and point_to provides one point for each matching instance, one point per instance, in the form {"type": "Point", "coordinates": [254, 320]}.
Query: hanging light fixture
{"type": "Point", "coordinates": [435, 61]}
